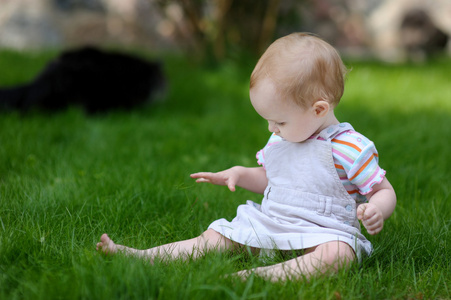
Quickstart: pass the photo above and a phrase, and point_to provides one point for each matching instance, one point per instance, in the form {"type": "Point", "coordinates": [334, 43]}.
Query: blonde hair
{"type": "Point", "coordinates": [303, 68]}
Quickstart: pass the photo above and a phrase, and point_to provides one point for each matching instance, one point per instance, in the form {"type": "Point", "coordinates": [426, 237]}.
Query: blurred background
{"type": "Point", "coordinates": [390, 30]}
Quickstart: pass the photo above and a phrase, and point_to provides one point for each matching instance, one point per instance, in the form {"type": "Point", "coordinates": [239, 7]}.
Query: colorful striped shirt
{"type": "Point", "coordinates": [356, 161]}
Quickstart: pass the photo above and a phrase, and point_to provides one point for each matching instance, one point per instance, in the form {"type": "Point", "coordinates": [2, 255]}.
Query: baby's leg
{"type": "Point", "coordinates": [209, 240]}
{"type": "Point", "coordinates": [327, 257]}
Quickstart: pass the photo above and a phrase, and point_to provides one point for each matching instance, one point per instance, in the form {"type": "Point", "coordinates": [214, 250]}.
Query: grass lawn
{"type": "Point", "coordinates": [67, 178]}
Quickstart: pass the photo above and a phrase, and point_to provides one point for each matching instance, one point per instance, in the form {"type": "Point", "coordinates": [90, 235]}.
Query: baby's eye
{"type": "Point", "coordinates": [280, 123]}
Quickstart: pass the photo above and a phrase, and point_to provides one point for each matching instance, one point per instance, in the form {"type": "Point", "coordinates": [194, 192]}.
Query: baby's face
{"type": "Point", "coordinates": [285, 118]}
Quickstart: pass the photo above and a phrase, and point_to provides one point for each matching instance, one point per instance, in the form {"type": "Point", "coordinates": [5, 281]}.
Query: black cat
{"type": "Point", "coordinates": [93, 79]}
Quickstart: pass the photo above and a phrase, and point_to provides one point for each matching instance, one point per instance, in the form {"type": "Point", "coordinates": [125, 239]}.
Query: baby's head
{"type": "Point", "coordinates": [303, 68]}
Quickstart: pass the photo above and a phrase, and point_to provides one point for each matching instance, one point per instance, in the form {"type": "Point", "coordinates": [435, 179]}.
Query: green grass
{"type": "Point", "coordinates": [67, 178]}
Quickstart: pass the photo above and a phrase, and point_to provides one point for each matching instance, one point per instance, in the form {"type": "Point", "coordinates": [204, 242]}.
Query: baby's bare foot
{"type": "Point", "coordinates": [106, 245]}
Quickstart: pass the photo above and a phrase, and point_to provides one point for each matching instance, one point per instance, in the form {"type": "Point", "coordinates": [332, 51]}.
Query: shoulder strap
{"type": "Point", "coordinates": [330, 132]}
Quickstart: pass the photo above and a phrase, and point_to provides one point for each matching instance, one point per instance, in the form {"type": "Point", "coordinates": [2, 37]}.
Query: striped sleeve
{"type": "Point", "coordinates": [274, 139]}
{"type": "Point", "coordinates": [359, 158]}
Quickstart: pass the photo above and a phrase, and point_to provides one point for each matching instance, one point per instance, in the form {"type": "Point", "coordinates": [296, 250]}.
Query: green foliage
{"type": "Point", "coordinates": [66, 178]}
{"type": "Point", "coordinates": [213, 30]}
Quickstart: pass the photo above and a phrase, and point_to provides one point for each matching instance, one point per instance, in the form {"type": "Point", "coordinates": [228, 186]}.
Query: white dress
{"type": "Point", "coordinates": [304, 205]}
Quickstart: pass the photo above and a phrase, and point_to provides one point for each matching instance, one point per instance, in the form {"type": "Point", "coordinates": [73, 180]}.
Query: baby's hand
{"type": "Point", "coordinates": [371, 217]}
{"type": "Point", "coordinates": [228, 177]}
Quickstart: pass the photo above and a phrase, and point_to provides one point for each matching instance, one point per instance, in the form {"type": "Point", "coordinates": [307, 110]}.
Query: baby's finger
{"type": "Point", "coordinates": [200, 174]}
{"type": "Point", "coordinates": [231, 184]}
{"type": "Point", "coordinates": [361, 211]}
{"type": "Point", "coordinates": [374, 228]}
{"type": "Point", "coordinates": [368, 214]}
{"type": "Point", "coordinates": [374, 225]}
{"type": "Point", "coordinates": [202, 180]}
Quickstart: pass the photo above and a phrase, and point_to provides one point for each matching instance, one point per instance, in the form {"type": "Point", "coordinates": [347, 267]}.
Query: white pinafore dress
{"type": "Point", "coordinates": [304, 205]}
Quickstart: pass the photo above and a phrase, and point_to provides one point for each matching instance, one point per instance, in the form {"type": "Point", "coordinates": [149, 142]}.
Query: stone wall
{"type": "Point", "coordinates": [387, 37]}
{"type": "Point", "coordinates": [356, 27]}
{"type": "Point", "coordinates": [375, 27]}
{"type": "Point", "coordinates": [26, 24]}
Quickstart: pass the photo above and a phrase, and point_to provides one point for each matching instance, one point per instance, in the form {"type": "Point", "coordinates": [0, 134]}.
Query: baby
{"type": "Point", "coordinates": [318, 176]}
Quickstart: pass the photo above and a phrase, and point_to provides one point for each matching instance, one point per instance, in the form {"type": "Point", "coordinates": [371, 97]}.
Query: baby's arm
{"type": "Point", "coordinates": [252, 179]}
{"type": "Point", "coordinates": [381, 204]}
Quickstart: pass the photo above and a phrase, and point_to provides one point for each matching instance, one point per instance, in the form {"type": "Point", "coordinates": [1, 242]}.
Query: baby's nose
{"type": "Point", "coordinates": [273, 128]}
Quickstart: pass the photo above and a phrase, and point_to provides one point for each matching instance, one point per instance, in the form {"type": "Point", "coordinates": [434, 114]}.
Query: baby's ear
{"type": "Point", "coordinates": [321, 108]}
